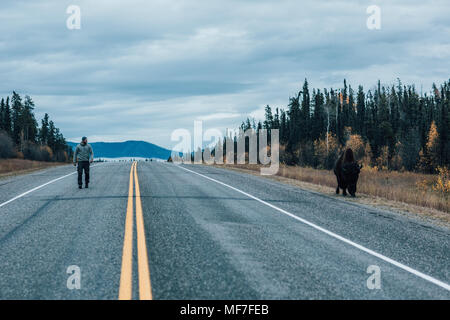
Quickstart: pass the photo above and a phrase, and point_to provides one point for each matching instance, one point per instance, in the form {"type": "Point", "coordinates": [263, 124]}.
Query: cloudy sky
{"type": "Point", "coordinates": [140, 69]}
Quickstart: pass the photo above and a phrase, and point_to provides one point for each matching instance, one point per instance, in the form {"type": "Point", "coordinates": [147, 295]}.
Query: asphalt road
{"type": "Point", "coordinates": [206, 233]}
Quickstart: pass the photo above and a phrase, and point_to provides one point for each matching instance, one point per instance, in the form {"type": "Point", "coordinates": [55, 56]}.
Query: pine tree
{"type": "Point", "coordinates": [294, 122]}
{"type": "Point", "coordinates": [345, 107]}
{"type": "Point", "coordinates": [2, 115]}
{"type": "Point", "coordinates": [44, 130]}
{"type": "Point", "coordinates": [51, 142]}
{"type": "Point", "coordinates": [394, 113]}
{"type": "Point", "coordinates": [276, 119]}
{"type": "Point", "coordinates": [304, 120]}
{"type": "Point", "coordinates": [17, 120]}
{"type": "Point", "coordinates": [361, 112]}
{"type": "Point", "coordinates": [284, 129]}
{"type": "Point", "coordinates": [337, 101]}
{"type": "Point", "coordinates": [7, 118]}
{"type": "Point", "coordinates": [268, 122]}
{"type": "Point", "coordinates": [248, 124]}
{"type": "Point", "coordinates": [351, 108]}
{"type": "Point", "coordinates": [29, 122]}
{"type": "Point", "coordinates": [319, 116]}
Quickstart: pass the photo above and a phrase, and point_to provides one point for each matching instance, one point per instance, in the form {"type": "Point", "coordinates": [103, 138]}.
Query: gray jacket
{"type": "Point", "coordinates": [83, 152]}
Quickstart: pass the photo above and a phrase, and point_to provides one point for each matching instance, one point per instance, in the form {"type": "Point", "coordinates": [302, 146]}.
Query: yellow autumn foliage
{"type": "Point", "coordinates": [443, 181]}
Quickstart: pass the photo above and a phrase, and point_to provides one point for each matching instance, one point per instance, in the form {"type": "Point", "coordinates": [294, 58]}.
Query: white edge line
{"type": "Point", "coordinates": [38, 187]}
{"type": "Point", "coordinates": [334, 235]}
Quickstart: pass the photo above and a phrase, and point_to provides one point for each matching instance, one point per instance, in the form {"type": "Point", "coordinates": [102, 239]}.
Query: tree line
{"type": "Point", "coordinates": [22, 137]}
{"type": "Point", "coordinates": [388, 127]}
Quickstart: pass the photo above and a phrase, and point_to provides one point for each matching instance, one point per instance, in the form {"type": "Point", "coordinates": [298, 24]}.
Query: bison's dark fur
{"type": "Point", "coordinates": [347, 171]}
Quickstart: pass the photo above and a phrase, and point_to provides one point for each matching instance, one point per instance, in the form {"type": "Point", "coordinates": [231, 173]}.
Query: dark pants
{"type": "Point", "coordinates": [83, 165]}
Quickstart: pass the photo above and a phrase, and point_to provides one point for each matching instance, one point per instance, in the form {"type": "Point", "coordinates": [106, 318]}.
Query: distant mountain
{"type": "Point", "coordinates": [138, 149]}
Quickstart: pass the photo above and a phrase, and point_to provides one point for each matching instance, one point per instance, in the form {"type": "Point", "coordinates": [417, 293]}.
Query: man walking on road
{"type": "Point", "coordinates": [84, 156]}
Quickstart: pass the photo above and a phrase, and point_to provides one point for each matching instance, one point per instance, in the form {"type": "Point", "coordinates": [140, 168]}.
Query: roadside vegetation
{"type": "Point", "coordinates": [23, 141]}
{"type": "Point", "coordinates": [388, 127]}
{"type": "Point", "coordinates": [401, 137]}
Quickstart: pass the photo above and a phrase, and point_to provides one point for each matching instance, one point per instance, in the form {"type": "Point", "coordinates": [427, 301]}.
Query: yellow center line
{"type": "Point", "coordinates": [145, 288]}
{"type": "Point", "coordinates": [126, 276]}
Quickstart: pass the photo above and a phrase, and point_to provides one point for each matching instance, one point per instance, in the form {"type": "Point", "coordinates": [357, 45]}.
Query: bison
{"type": "Point", "coordinates": [347, 171]}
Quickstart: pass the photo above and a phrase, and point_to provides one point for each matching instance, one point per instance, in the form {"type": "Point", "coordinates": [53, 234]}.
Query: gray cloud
{"type": "Point", "coordinates": [140, 69]}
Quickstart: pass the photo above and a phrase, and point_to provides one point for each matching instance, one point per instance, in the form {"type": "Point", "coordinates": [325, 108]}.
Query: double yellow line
{"type": "Point", "coordinates": [126, 276]}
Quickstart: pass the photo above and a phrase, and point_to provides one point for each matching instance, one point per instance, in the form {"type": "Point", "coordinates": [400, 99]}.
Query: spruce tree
{"type": "Point", "coordinates": [17, 119]}
{"type": "Point", "coordinates": [319, 116]}
{"type": "Point", "coordinates": [2, 115]}
{"type": "Point", "coordinates": [304, 120]}
{"type": "Point", "coordinates": [29, 122]}
{"type": "Point", "coordinates": [7, 118]}
{"type": "Point", "coordinates": [44, 130]}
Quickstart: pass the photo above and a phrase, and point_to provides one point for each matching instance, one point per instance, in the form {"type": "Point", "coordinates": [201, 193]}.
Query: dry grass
{"type": "Point", "coordinates": [400, 187]}
{"type": "Point", "coordinates": [10, 167]}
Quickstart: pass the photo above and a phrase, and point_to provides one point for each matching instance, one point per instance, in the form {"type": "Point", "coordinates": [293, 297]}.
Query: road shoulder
{"type": "Point", "coordinates": [28, 167]}
{"type": "Point", "coordinates": [427, 215]}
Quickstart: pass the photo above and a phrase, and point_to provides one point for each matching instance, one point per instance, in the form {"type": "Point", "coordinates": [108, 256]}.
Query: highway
{"type": "Point", "coordinates": [156, 230]}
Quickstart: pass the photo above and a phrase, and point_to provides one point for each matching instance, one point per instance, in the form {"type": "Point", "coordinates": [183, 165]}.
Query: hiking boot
{"type": "Point", "coordinates": [80, 187]}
